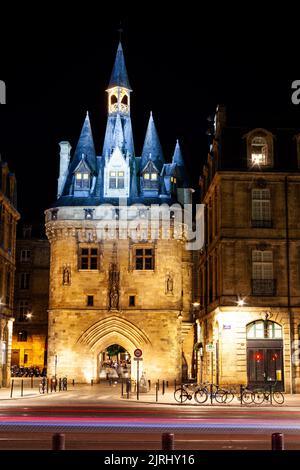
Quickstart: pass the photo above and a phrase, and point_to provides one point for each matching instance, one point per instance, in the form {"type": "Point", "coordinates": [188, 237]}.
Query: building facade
{"type": "Point", "coordinates": [113, 280]}
{"type": "Point", "coordinates": [249, 268]}
{"type": "Point", "coordinates": [8, 223]}
{"type": "Point", "coordinates": [29, 346]}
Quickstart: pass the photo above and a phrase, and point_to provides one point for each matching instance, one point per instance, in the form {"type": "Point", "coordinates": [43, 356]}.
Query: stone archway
{"type": "Point", "coordinates": [108, 331]}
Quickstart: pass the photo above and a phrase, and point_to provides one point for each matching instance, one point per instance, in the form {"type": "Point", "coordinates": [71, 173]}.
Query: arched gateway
{"type": "Point", "coordinates": [114, 330]}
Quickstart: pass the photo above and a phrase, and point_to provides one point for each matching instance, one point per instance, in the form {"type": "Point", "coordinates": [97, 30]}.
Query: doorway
{"type": "Point", "coordinates": [265, 355]}
{"type": "Point", "coordinates": [115, 363]}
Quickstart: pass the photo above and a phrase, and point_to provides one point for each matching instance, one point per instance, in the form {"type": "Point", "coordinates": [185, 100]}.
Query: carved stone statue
{"type": "Point", "coordinates": [169, 284]}
{"type": "Point", "coordinates": [114, 297]}
{"type": "Point", "coordinates": [66, 275]}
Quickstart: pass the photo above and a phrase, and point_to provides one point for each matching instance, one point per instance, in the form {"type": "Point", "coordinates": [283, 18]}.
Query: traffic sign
{"type": "Point", "coordinates": [138, 353]}
{"type": "Point", "coordinates": [210, 347]}
{"type": "Point", "coordinates": [137, 358]}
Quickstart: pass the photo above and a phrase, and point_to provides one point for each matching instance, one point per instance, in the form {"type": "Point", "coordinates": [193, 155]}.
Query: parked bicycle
{"type": "Point", "coordinates": [268, 394]}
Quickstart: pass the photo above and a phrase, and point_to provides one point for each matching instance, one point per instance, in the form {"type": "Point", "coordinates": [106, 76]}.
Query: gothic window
{"type": "Point", "coordinates": [88, 258]}
{"type": "Point", "coordinates": [125, 100]}
{"type": "Point", "coordinates": [82, 180]}
{"type": "Point", "coordinates": [144, 259]}
{"type": "Point", "coordinates": [22, 336]}
{"type": "Point", "coordinates": [116, 180]}
{"type": "Point", "coordinates": [24, 280]}
{"type": "Point", "coordinates": [261, 208]}
{"type": "Point", "coordinates": [25, 255]}
{"type": "Point", "coordinates": [113, 99]}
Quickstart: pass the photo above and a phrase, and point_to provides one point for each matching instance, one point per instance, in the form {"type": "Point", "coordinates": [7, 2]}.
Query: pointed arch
{"type": "Point", "coordinates": [113, 329]}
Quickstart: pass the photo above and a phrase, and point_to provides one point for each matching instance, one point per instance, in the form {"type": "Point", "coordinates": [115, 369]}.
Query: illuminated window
{"type": "Point", "coordinates": [259, 151]}
{"type": "Point", "coordinates": [261, 207]}
{"type": "Point", "coordinates": [146, 176]}
{"type": "Point", "coordinates": [262, 264]}
{"type": "Point", "coordinates": [153, 176]}
{"type": "Point", "coordinates": [82, 181]}
{"type": "Point", "coordinates": [144, 259]}
{"type": "Point", "coordinates": [264, 329]}
{"type": "Point", "coordinates": [116, 179]}
{"type": "Point", "coordinates": [88, 258]}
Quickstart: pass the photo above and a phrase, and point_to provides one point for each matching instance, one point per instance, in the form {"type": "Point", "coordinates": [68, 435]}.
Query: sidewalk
{"type": "Point", "coordinates": [105, 393]}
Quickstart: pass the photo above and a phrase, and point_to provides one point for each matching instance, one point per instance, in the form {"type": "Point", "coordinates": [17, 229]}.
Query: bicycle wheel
{"type": "Point", "coordinates": [220, 396]}
{"type": "Point", "coordinates": [278, 397]}
{"type": "Point", "coordinates": [201, 396]}
{"type": "Point", "coordinates": [258, 397]}
{"type": "Point", "coordinates": [229, 397]}
{"type": "Point", "coordinates": [181, 395]}
{"type": "Point", "coordinates": [247, 397]}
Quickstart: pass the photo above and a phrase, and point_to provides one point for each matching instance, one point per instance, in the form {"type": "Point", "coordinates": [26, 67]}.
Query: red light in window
{"type": "Point", "coordinates": [258, 357]}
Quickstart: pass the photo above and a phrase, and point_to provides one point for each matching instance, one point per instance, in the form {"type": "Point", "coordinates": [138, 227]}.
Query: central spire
{"type": "Point", "coordinates": [119, 75]}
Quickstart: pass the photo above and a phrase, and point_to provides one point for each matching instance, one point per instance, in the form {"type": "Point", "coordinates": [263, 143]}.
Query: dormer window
{"type": "Point", "coordinates": [260, 149]}
{"type": "Point", "coordinates": [82, 181]}
{"type": "Point", "coordinates": [173, 179]}
{"type": "Point", "coordinates": [116, 180]}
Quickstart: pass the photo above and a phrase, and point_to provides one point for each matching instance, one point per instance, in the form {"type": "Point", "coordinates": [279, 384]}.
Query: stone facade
{"type": "Point", "coordinates": [79, 333]}
{"type": "Point", "coordinates": [31, 301]}
{"type": "Point", "coordinates": [8, 222]}
{"type": "Point", "coordinates": [248, 270]}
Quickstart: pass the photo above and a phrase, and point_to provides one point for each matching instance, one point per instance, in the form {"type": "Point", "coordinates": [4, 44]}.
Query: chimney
{"type": "Point", "coordinates": [65, 149]}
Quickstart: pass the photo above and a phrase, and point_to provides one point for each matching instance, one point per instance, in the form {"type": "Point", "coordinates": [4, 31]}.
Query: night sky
{"type": "Point", "coordinates": [57, 65]}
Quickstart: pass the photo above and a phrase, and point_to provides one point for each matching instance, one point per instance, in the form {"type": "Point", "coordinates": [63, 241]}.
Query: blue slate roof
{"type": "Point", "coordinates": [152, 148]}
{"type": "Point", "coordinates": [177, 156]}
{"type": "Point", "coordinates": [119, 75]}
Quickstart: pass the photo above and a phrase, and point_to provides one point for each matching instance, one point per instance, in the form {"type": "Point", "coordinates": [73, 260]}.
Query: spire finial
{"type": "Point", "coordinates": [87, 114]}
{"type": "Point", "coordinates": [120, 31]}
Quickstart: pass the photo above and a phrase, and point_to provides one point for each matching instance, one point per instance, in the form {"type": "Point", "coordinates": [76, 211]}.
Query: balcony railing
{"type": "Point", "coordinates": [264, 287]}
{"type": "Point", "coordinates": [261, 223]}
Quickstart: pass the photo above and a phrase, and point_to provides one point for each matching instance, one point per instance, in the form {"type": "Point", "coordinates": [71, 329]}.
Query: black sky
{"type": "Point", "coordinates": [57, 64]}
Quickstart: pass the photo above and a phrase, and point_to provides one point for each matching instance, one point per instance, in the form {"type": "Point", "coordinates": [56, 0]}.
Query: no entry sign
{"type": "Point", "coordinates": [138, 353]}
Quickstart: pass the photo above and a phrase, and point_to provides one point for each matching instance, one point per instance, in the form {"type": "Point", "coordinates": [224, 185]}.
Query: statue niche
{"type": "Point", "coordinates": [169, 283]}
{"type": "Point", "coordinates": [114, 277]}
{"type": "Point", "coordinates": [66, 275]}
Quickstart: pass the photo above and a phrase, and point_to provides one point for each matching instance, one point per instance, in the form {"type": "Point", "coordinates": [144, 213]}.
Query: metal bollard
{"type": "Point", "coordinates": [156, 392]}
{"type": "Point", "coordinates": [12, 388]}
{"type": "Point", "coordinates": [128, 388]}
{"type": "Point", "coordinates": [32, 381]}
{"type": "Point", "coordinates": [58, 442]}
{"type": "Point", "coordinates": [122, 387]}
{"type": "Point", "coordinates": [167, 384]}
{"type": "Point", "coordinates": [149, 384]}
{"type": "Point", "coordinates": [167, 441]}
{"type": "Point", "coordinates": [163, 387]}
{"type": "Point", "coordinates": [73, 382]}
{"type": "Point", "coordinates": [59, 384]}
{"type": "Point", "coordinates": [92, 382]}
{"type": "Point", "coordinates": [22, 387]}
{"type": "Point", "coordinates": [277, 441]}
{"type": "Point", "coordinates": [158, 384]}
{"type": "Point", "coordinates": [175, 385]}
